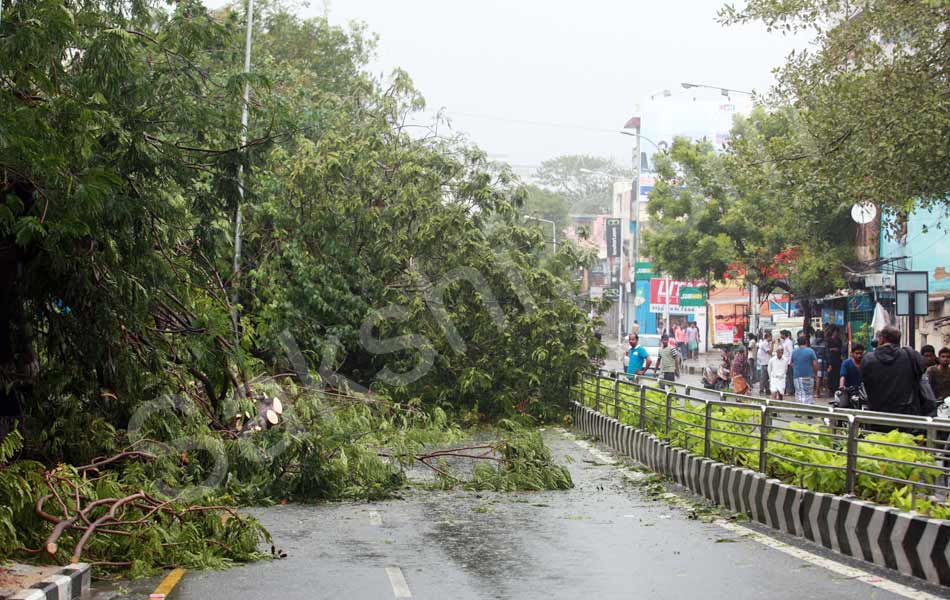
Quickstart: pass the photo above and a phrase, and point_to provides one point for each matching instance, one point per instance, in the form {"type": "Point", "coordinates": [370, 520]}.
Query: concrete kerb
{"type": "Point", "coordinates": [884, 536]}
{"type": "Point", "coordinates": [69, 583]}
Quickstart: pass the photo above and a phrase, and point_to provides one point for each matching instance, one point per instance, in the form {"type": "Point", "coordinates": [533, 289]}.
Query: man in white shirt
{"type": "Point", "coordinates": [777, 370]}
{"type": "Point", "coordinates": [788, 346]}
{"type": "Point", "coordinates": [762, 358]}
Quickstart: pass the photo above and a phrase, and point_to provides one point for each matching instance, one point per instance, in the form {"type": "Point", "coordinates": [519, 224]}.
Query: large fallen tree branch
{"type": "Point", "coordinates": [73, 507]}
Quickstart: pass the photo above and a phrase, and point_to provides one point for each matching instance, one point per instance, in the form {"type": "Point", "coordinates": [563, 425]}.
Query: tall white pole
{"type": "Point", "coordinates": [666, 311]}
{"type": "Point", "coordinates": [240, 173]}
{"type": "Point", "coordinates": [623, 225]}
{"type": "Point", "coordinates": [636, 216]}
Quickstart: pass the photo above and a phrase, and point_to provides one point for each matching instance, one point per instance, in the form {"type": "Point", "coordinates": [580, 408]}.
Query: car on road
{"type": "Point", "coordinates": [651, 342]}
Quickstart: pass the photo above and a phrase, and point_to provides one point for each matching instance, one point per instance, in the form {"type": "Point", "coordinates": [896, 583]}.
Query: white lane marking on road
{"type": "Point", "coordinates": [375, 518]}
{"type": "Point", "coordinates": [835, 567]}
{"type": "Point", "coordinates": [827, 563]}
{"type": "Point", "coordinates": [398, 582]}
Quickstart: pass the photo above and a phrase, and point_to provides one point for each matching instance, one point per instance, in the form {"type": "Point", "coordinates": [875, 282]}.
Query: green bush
{"type": "Point", "coordinates": [820, 466]}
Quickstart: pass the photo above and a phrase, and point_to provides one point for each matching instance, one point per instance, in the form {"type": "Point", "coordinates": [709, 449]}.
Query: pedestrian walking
{"type": "Point", "coordinates": [820, 350]}
{"type": "Point", "coordinates": [692, 340]}
{"type": "Point", "coordinates": [930, 356]}
{"type": "Point", "coordinates": [763, 356]}
{"type": "Point", "coordinates": [740, 372]}
{"type": "Point", "coordinates": [836, 356]}
{"type": "Point", "coordinates": [752, 351]}
{"type": "Point", "coordinates": [680, 336]}
{"type": "Point", "coordinates": [788, 348]}
{"type": "Point", "coordinates": [890, 375]}
{"type": "Point", "coordinates": [804, 371]}
{"type": "Point", "coordinates": [777, 370]}
{"type": "Point", "coordinates": [939, 376]}
{"type": "Point", "coordinates": [668, 359]}
{"type": "Point", "coordinates": [638, 360]}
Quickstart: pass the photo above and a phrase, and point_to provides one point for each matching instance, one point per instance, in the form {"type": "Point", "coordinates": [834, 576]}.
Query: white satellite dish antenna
{"type": "Point", "coordinates": [863, 213]}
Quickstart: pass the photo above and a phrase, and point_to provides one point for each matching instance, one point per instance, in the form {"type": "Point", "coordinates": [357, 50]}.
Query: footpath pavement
{"type": "Point", "coordinates": [617, 534]}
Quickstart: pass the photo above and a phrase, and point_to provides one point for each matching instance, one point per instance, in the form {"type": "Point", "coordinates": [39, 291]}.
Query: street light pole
{"type": "Point", "coordinates": [634, 124]}
{"type": "Point", "coordinates": [235, 317]}
{"type": "Point", "coordinates": [624, 224]}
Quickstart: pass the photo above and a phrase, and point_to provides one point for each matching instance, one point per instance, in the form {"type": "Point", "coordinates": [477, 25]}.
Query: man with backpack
{"type": "Point", "coordinates": [892, 374]}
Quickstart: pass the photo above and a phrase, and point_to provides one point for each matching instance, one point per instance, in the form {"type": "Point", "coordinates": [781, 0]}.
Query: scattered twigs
{"type": "Point", "coordinates": [470, 452]}
{"type": "Point", "coordinates": [96, 464]}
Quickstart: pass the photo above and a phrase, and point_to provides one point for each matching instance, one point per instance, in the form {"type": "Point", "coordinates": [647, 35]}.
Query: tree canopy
{"type": "Point", "coordinates": [872, 96]}
{"type": "Point", "coordinates": [585, 181]}
{"type": "Point", "coordinates": [372, 250]}
{"type": "Point", "coordinates": [740, 215]}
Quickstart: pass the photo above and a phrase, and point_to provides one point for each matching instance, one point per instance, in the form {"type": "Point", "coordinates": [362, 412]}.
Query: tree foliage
{"type": "Point", "coordinates": [585, 181]}
{"type": "Point", "coordinates": [373, 258]}
{"type": "Point", "coordinates": [872, 96]}
{"type": "Point", "coordinates": [739, 214]}
{"type": "Point", "coordinates": [120, 156]}
{"type": "Point", "coordinates": [549, 205]}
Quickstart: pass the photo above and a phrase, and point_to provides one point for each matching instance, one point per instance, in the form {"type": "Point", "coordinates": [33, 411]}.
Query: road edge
{"type": "Point", "coordinates": [68, 583]}
{"type": "Point", "coordinates": [883, 536]}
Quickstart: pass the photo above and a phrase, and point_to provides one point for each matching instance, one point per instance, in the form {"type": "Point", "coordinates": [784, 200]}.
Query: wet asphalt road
{"type": "Point", "coordinates": [607, 538]}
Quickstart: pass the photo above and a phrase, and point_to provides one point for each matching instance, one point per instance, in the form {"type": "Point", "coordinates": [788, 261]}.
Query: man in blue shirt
{"type": "Point", "coordinates": [639, 359]}
{"type": "Point", "coordinates": [851, 369]}
{"type": "Point", "coordinates": [805, 367]}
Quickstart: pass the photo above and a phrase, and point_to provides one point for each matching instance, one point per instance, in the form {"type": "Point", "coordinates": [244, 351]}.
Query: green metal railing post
{"type": "Point", "coordinates": [763, 438]}
{"type": "Point", "coordinates": [643, 407]}
{"type": "Point", "coordinates": [597, 402]}
{"type": "Point", "coordinates": [582, 390]}
{"type": "Point", "coordinates": [617, 399]}
{"type": "Point", "coordinates": [852, 454]}
{"type": "Point", "coordinates": [707, 427]}
{"type": "Point", "coordinates": [669, 411]}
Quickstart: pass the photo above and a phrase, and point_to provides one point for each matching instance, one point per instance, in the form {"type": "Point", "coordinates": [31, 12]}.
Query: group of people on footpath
{"type": "Point", "coordinates": [684, 344]}
{"type": "Point", "coordinates": [889, 378]}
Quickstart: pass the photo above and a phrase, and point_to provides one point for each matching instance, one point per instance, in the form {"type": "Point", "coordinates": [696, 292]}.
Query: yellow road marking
{"type": "Point", "coordinates": [170, 581]}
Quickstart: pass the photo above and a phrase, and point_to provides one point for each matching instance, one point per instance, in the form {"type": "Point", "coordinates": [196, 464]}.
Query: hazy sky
{"type": "Point", "coordinates": [577, 69]}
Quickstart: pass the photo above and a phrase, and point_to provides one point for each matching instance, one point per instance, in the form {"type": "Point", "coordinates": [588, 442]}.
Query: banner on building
{"type": "Point", "coordinates": [725, 334]}
{"type": "Point", "coordinates": [645, 270]}
{"type": "Point", "coordinates": [693, 303]}
{"type": "Point", "coordinates": [613, 238]}
{"type": "Point", "coordinates": [692, 296]}
{"type": "Point", "coordinates": [832, 316]}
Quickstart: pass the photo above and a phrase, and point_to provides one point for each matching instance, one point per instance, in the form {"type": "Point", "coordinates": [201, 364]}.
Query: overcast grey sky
{"type": "Point", "coordinates": [495, 64]}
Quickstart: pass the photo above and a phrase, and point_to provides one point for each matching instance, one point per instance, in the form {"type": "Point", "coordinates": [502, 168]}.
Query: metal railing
{"type": "Point", "coordinates": [821, 448]}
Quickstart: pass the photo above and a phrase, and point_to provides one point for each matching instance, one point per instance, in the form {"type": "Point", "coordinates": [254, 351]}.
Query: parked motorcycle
{"type": "Point", "coordinates": [853, 397]}
{"type": "Point", "coordinates": [716, 379]}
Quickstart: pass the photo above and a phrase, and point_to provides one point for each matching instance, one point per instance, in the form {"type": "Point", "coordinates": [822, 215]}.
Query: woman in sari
{"type": "Point", "coordinates": [740, 372]}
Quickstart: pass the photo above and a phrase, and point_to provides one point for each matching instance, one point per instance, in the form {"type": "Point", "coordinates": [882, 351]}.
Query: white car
{"type": "Point", "coordinates": [651, 342]}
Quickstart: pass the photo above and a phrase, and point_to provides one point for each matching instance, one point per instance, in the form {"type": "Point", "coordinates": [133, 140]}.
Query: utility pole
{"type": "Point", "coordinates": [634, 124]}
{"type": "Point", "coordinates": [553, 229]}
{"type": "Point", "coordinates": [624, 224]}
{"type": "Point", "coordinates": [236, 275]}
{"type": "Point", "coordinates": [636, 214]}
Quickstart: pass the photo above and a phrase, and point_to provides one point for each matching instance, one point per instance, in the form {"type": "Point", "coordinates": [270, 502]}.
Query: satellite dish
{"type": "Point", "coordinates": [863, 213]}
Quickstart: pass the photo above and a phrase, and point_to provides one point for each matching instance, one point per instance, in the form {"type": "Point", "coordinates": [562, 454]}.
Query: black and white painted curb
{"type": "Point", "coordinates": [884, 536]}
{"type": "Point", "coordinates": [67, 584]}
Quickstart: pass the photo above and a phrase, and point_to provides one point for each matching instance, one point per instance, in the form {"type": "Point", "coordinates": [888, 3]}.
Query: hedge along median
{"type": "Point", "coordinates": [885, 536]}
